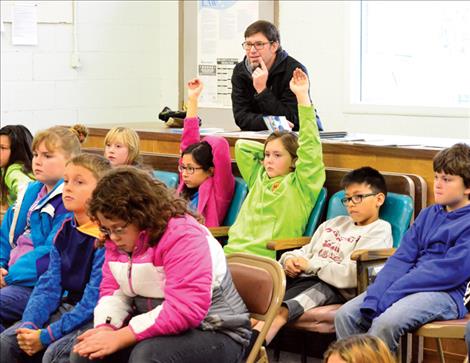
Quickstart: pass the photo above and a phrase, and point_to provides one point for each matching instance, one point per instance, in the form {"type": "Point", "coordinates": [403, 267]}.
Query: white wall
{"type": "Point", "coordinates": [128, 52]}
{"type": "Point", "coordinates": [129, 56]}
{"type": "Point", "coordinates": [317, 34]}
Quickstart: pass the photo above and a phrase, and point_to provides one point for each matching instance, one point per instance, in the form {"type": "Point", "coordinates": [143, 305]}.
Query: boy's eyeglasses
{"type": "Point", "coordinates": [356, 199]}
{"type": "Point", "coordinates": [188, 169]}
{"type": "Point", "coordinates": [116, 231]}
{"type": "Point", "coordinates": [257, 45]}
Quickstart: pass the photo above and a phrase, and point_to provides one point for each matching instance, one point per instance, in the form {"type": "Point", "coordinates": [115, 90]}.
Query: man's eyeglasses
{"type": "Point", "coordinates": [118, 231]}
{"type": "Point", "coordinates": [188, 169]}
{"type": "Point", "coordinates": [257, 45]}
{"type": "Point", "coordinates": [356, 199]}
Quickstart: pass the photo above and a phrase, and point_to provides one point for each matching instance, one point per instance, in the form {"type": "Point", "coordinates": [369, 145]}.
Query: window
{"type": "Point", "coordinates": [413, 53]}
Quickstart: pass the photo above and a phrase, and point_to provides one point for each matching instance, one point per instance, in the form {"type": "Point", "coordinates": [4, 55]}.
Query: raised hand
{"type": "Point", "coordinates": [260, 76]}
{"type": "Point", "coordinates": [195, 87]}
{"type": "Point", "coordinates": [299, 83]}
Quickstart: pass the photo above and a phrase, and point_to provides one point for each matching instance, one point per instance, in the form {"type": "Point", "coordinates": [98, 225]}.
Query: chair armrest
{"type": "Point", "coordinates": [287, 243]}
{"type": "Point", "coordinates": [372, 255]}
{"type": "Point", "coordinates": [367, 259]}
{"type": "Point", "coordinates": [221, 231]}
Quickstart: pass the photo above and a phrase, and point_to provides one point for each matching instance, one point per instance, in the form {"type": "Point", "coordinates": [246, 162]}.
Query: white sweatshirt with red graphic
{"type": "Point", "coordinates": [329, 251]}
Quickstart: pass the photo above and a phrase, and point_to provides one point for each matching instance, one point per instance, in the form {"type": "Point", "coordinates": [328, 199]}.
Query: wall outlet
{"type": "Point", "coordinates": [75, 61]}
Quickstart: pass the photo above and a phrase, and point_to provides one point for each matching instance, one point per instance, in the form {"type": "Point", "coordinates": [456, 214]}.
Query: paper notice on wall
{"type": "Point", "coordinates": [24, 24]}
{"type": "Point", "coordinates": [225, 68]}
{"type": "Point", "coordinates": [221, 24]}
{"type": "Point", "coordinates": [208, 76]}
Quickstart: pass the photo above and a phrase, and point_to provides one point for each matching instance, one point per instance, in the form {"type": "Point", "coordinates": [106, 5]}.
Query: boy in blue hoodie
{"type": "Point", "coordinates": [425, 279]}
{"type": "Point", "coordinates": [65, 296]}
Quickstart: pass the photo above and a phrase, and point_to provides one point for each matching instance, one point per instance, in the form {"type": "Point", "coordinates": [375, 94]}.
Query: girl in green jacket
{"type": "Point", "coordinates": [284, 177]}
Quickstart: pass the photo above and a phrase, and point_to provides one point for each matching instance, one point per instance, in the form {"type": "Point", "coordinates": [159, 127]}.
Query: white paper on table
{"type": "Point", "coordinates": [24, 24]}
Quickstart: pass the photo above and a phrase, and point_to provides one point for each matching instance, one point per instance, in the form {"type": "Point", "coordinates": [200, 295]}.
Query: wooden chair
{"type": "Point", "coordinates": [261, 283]}
{"type": "Point", "coordinates": [445, 329]}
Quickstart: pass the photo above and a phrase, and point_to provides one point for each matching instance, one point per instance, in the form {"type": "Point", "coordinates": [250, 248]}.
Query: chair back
{"type": "Point", "coordinates": [317, 213]}
{"type": "Point", "coordinates": [169, 178]}
{"type": "Point", "coordinates": [261, 283]}
{"type": "Point", "coordinates": [397, 210]}
{"type": "Point", "coordinates": [239, 195]}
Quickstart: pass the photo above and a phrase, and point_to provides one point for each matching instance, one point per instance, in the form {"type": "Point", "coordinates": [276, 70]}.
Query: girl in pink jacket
{"type": "Point", "coordinates": [166, 293]}
{"type": "Point", "coordinates": [206, 179]}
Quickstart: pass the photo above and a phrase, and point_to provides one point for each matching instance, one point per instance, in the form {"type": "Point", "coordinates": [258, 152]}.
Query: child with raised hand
{"type": "Point", "coordinates": [167, 294]}
{"type": "Point", "coordinates": [206, 179]}
{"type": "Point", "coordinates": [29, 228]}
{"type": "Point", "coordinates": [15, 161]}
{"type": "Point", "coordinates": [359, 349]}
{"type": "Point", "coordinates": [284, 177]}
{"type": "Point", "coordinates": [426, 277]}
{"type": "Point", "coordinates": [51, 320]}
{"type": "Point", "coordinates": [122, 146]}
{"type": "Point", "coordinates": [322, 272]}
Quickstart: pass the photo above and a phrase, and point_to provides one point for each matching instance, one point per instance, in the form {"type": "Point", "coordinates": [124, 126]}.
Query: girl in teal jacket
{"type": "Point", "coordinates": [284, 178]}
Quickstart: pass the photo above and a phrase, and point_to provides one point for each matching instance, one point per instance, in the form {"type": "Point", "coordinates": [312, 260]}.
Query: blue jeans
{"type": "Point", "coordinates": [403, 316]}
{"type": "Point", "coordinates": [195, 346]}
{"type": "Point", "coordinates": [467, 339]}
{"type": "Point", "coordinates": [57, 352]}
{"type": "Point", "coordinates": [13, 300]}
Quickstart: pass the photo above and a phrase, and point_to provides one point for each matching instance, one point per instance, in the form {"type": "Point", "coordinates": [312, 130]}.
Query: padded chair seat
{"type": "Point", "coordinates": [318, 320]}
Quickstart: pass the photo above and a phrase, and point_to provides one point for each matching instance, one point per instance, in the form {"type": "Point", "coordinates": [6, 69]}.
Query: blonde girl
{"type": "Point", "coordinates": [29, 228]}
{"type": "Point", "coordinates": [359, 349]}
{"type": "Point", "coordinates": [122, 146]}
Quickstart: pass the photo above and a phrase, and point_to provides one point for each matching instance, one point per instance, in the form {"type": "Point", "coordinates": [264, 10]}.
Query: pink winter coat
{"type": "Point", "coordinates": [215, 194]}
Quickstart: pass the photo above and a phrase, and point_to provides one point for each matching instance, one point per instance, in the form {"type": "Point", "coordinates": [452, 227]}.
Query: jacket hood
{"type": "Point", "coordinates": [455, 214]}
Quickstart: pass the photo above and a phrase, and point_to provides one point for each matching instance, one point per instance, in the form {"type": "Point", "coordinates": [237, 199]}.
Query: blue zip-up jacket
{"type": "Point", "coordinates": [46, 219]}
{"type": "Point", "coordinates": [434, 255]}
{"type": "Point", "coordinates": [75, 267]}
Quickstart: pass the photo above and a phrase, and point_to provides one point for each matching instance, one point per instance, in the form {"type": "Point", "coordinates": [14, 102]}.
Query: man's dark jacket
{"type": "Point", "coordinates": [277, 99]}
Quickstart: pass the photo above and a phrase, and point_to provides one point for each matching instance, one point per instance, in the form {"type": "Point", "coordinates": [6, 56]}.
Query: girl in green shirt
{"type": "Point", "coordinates": [284, 177]}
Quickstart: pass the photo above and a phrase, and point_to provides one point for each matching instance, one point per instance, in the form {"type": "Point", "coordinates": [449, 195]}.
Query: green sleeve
{"type": "Point", "coordinates": [15, 178]}
{"type": "Point", "coordinates": [249, 155]}
{"type": "Point", "coordinates": [309, 167]}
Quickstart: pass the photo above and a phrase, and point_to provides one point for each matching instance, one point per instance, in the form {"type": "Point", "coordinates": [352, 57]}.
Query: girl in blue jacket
{"type": "Point", "coordinates": [29, 227]}
{"type": "Point", "coordinates": [63, 299]}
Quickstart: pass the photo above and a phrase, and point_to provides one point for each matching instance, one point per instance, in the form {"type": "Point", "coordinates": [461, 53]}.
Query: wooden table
{"type": "Point", "coordinates": [410, 160]}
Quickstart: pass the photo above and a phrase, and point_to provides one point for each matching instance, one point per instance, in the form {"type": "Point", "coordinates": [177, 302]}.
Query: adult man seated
{"type": "Point", "coordinates": [260, 83]}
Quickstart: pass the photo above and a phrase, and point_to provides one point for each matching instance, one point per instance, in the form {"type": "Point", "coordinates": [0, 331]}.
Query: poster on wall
{"type": "Point", "coordinates": [221, 24]}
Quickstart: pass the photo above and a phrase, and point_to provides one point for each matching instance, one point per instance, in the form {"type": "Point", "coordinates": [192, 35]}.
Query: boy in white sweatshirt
{"type": "Point", "coordinates": [321, 272]}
